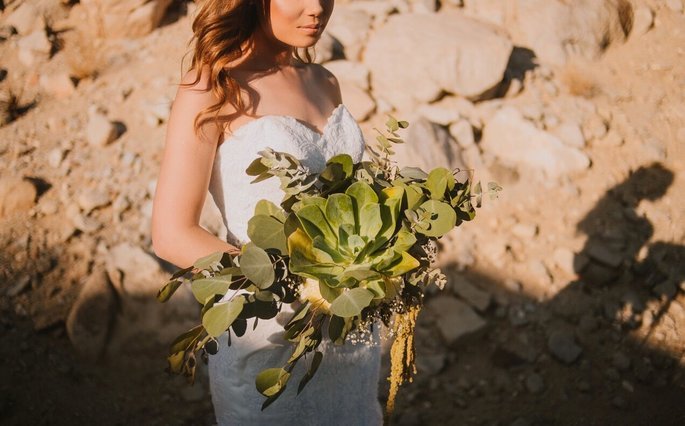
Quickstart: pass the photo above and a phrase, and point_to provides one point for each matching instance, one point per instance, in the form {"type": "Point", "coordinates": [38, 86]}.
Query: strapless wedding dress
{"type": "Point", "coordinates": [344, 390]}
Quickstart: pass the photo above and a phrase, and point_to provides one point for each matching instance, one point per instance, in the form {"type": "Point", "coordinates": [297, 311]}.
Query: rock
{"type": "Point", "coordinates": [140, 270]}
{"type": "Point", "coordinates": [557, 29]}
{"type": "Point", "coordinates": [525, 230]}
{"type": "Point", "coordinates": [36, 43]}
{"type": "Point", "coordinates": [324, 48]}
{"type": "Point", "coordinates": [620, 361]}
{"type": "Point", "coordinates": [359, 102]}
{"type": "Point", "coordinates": [351, 72]}
{"type": "Point", "coordinates": [156, 112]}
{"type": "Point", "coordinates": [55, 157]}
{"type": "Point", "coordinates": [517, 142]}
{"type": "Point", "coordinates": [469, 60]}
{"type": "Point", "coordinates": [454, 318]}
{"type": "Point", "coordinates": [58, 85]}
{"type": "Point", "coordinates": [90, 318]}
{"type": "Point", "coordinates": [439, 112]}
{"type": "Point", "coordinates": [675, 5]}
{"type": "Point", "coordinates": [22, 284]}
{"type": "Point", "coordinates": [643, 21]}
{"type": "Point", "coordinates": [350, 27]}
{"type": "Point", "coordinates": [124, 18]}
{"type": "Point", "coordinates": [473, 295]}
{"type": "Point", "coordinates": [570, 134]}
{"type": "Point", "coordinates": [535, 384]}
{"type": "Point", "coordinates": [17, 196]}
{"type": "Point", "coordinates": [666, 289]}
{"type": "Point", "coordinates": [427, 145]}
{"type": "Point", "coordinates": [83, 223]}
{"type": "Point", "coordinates": [100, 130]}
{"type": "Point", "coordinates": [562, 346]}
{"type": "Point", "coordinates": [604, 254]}
{"type": "Point", "coordinates": [563, 259]}
{"type": "Point", "coordinates": [463, 133]}
{"type": "Point", "coordinates": [24, 18]}
{"type": "Point", "coordinates": [91, 199]}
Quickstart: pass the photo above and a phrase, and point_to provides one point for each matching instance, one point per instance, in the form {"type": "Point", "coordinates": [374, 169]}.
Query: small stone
{"type": "Point", "coordinates": [563, 259]}
{"type": "Point", "coordinates": [612, 139]}
{"type": "Point", "coordinates": [588, 323]}
{"type": "Point", "coordinates": [17, 196]}
{"type": "Point", "coordinates": [570, 133]}
{"type": "Point", "coordinates": [463, 133]}
{"type": "Point", "coordinates": [454, 318]}
{"type": "Point", "coordinates": [21, 285]}
{"type": "Point", "coordinates": [100, 131]}
{"type": "Point", "coordinates": [55, 157]}
{"type": "Point", "coordinates": [473, 295]}
{"type": "Point", "coordinates": [563, 346]}
{"type": "Point", "coordinates": [525, 230]}
{"type": "Point", "coordinates": [643, 21]}
{"type": "Point", "coordinates": [92, 199]}
{"type": "Point", "coordinates": [535, 384]}
{"type": "Point", "coordinates": [675, 5]}
{"type": "Point", "coordinates": [605, 255]}
{"type": "Point", "coordinates": [48, 207]}
{"type": "Point", "coordinates": [666, 289]}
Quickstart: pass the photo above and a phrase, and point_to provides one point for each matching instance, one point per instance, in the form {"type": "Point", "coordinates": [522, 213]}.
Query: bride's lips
{"type": "Point", "coordinates": [311, 29]}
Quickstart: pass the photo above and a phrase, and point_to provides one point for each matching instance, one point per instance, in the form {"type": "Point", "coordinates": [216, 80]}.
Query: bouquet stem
{"type": "Point", "coordinates": [402, 354]}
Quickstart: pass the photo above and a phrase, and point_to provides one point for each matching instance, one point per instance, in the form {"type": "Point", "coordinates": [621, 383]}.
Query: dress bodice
{"type": "Point", "coordinates": [230, 186]}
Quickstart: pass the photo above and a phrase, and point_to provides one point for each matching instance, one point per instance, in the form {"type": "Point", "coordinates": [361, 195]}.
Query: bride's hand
{"type": "Point", "coordinates": [233, 251]}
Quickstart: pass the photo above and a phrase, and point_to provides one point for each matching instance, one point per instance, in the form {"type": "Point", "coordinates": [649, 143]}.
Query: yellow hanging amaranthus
{"type": "Point", "coordinates": [402, 354]}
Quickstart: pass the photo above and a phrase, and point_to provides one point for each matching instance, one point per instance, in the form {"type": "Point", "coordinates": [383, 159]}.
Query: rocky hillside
{"type": "Point", "coordinates": [566, 296]}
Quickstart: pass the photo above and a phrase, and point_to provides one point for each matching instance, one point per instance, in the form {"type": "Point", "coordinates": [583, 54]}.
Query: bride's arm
{"type": "Point", "coordinates": [184, 178]}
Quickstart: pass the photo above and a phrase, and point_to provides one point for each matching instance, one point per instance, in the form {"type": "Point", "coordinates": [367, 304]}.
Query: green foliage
{"type": "Point", "coordinates": [366, 233]}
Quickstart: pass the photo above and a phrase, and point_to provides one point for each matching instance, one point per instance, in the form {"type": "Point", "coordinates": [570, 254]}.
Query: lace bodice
{"type": "Point", "coordinates": [230, 186]}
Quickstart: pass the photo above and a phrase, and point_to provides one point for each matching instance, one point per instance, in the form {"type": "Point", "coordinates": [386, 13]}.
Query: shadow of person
{"type": "Point", "coordinates": [616, 232]}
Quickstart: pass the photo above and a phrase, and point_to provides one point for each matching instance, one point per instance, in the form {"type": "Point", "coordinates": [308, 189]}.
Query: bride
{"type": "Point", "coordinates": [249, 88]}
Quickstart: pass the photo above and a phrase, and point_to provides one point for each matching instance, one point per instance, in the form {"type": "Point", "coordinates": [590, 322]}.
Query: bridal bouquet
{"type": "Point", "coordinates": [347, 246]}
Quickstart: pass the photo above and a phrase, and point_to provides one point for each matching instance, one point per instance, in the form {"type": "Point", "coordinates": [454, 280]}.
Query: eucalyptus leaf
{"type": "Point", "coordinates": [316, 361]}
{"type": "Point", "coordinates": [351, 302]}
{"type": "Point", "coordinates": [271, 380]}
{"type": "Point", "coordinates": [205, 287]}
{"type": "Point", "coordinates": [220, 316]}
{"type": "Point", "coordinates": [267, 232]}
{"type": "Point", "coordinates": [256, 265]}
{"type": "Point", "coordinates": [211, 261]}
{"type": "Point", "coordinates": [168, 290]}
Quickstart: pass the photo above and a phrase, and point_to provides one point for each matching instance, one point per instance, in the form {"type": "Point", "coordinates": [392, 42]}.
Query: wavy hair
{"type": "Point", "coordinates": [220, 30]}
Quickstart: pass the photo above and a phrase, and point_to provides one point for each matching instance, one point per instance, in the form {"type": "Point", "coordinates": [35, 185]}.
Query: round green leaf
{"type": "Point", "coordinates": [442, 221]}
{"type": "Point", "coordinates": [205, 287]}
{"type": "Point", "coordinates": [267, 232]}
{"type": "Point", "coordinates": [256, 265]}
{"type": "Point", "coordinates": [221, 315]}
{"type": "Point", "coordinates": [271, 380]}
{"type": "Point", "coordinates": [351, 302]}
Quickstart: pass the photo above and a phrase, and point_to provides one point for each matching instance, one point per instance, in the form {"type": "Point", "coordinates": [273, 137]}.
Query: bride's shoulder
{"type": "Point", "coordinates": [327, 81]}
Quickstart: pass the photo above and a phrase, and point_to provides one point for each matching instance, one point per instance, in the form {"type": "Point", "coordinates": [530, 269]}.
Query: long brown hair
{"type": "Point", "coordinates": [220, 30]}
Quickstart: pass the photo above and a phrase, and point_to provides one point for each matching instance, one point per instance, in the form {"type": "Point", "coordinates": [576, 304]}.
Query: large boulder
{"type": "Point", "coordinates": [557, 29]}
{"type": "Point", "coordinates": [516, 142]}
{"type": "Point", "coordinates": [122, 18]}
{"type": "Point", "coordinates": [414, 57]}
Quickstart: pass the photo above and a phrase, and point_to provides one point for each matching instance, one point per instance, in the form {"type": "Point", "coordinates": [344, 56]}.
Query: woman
{"type": "Point", "coordinates": [248, 88]}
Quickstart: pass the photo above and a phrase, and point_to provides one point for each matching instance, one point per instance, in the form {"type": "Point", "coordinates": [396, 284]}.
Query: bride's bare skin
{"type": "Point", "coordinates": [282, 87]}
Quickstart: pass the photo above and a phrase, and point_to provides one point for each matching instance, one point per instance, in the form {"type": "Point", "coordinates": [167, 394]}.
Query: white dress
{"type": "Point", "coordinates": [344, 390]}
